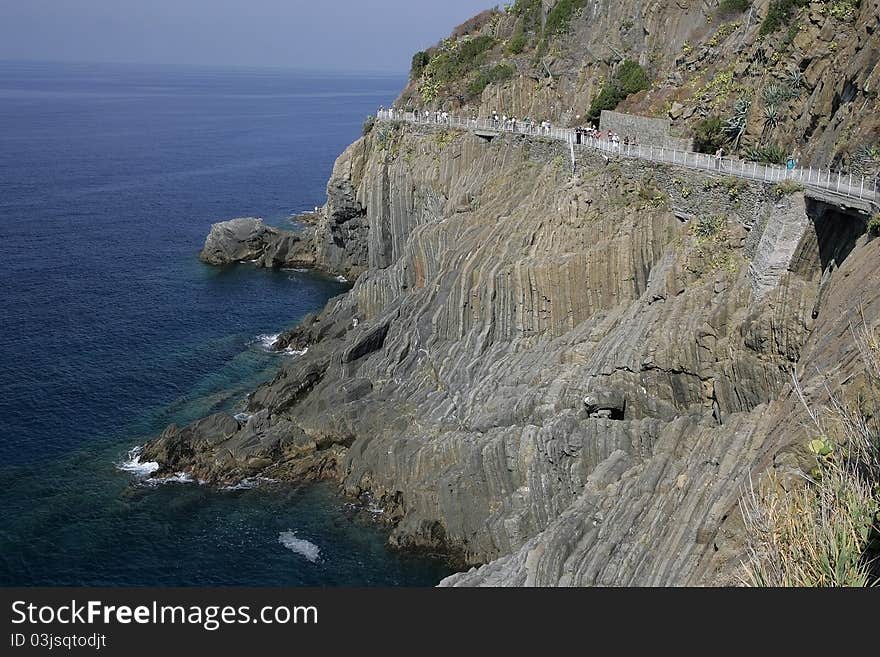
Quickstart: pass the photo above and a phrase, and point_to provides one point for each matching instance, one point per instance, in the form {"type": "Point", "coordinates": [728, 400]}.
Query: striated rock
{"type": "Point", "coordinates": [570, 380]}
{"type": "Point", "coordinates": [564, 381]}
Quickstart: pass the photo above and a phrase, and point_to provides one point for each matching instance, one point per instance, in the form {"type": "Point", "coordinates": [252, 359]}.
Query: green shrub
{"type": "Point", "coordinates": [385, 137]}
{"type": "Point", "coordinates": [630, 78]}
{"type": "Point", "coordinates": [874, 225]}
{"type": "Point", "coordinates": [419, 62]}
{"type": "Point", "coordinates": [710, 135]}
{"type": "Point", "coordinates": [841, 9]}
{"type": "Point", "coordinates": [517, 44]}
{"type": "Point", "coordinates": [608, 98]}
{"type": "Point", "coordinates": [779, 14]}
{"type": "Point", "coordinates": [733, 7]}
{"type": "Point", "coordinates": [367, 127]}
{"type": "Point", "coordinates": [560, 16]}
{"type": "Point", "coordinates": [530, 11]}
{"type": "Point", "coordinates": [707, 227]}
{"type": "Point", "coordinates": [769, 154]}
{"type": "Point", "coordinates": [497, 73]}
{"type": "Point", "coordinates": [461, 59]}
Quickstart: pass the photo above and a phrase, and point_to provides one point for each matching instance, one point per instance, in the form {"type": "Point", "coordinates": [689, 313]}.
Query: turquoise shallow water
{"type": "Point", "coordinates": [110, 177]}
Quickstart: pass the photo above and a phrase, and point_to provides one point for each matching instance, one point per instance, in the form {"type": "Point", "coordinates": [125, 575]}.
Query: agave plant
{"type": "Point", "coordinates": [771, 117]}
{"type": "Point", "coordinates": [796, 78]}
{"type": "Point", "coordinates": [776, 94]}
{"type": "Point", "coordinates": [736, 123]}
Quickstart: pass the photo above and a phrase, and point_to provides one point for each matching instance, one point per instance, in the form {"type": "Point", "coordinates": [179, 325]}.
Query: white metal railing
{"type": "Point", "coordinates": [833, 181]}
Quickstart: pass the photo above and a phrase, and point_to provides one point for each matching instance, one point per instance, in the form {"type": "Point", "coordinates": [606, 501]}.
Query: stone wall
{"type": "Point", "coordinates": [644, 129]}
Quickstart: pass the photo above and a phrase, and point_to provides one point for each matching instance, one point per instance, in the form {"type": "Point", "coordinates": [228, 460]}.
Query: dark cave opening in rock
{"type": "Point", "coordinates": [837, 231]}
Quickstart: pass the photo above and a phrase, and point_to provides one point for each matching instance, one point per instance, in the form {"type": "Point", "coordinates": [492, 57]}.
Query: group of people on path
{"type": "Point", "coordinates": [513, 124]}
{"type": "Point", "coordinates": [590, 132]}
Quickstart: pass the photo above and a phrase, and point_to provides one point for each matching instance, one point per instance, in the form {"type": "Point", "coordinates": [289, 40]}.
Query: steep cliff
{"type": "Point", "coordinates": [570, 377]}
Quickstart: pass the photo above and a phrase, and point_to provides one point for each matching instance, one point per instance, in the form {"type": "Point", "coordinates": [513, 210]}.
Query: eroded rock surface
{"type": "Point", "coordinates": [250, 240]}
{"type": "Point", "coordinates": [556, 376]}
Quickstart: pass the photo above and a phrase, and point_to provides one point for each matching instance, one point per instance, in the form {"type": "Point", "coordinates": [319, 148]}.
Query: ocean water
{"type": "Point", "coordinates": [110, 177]}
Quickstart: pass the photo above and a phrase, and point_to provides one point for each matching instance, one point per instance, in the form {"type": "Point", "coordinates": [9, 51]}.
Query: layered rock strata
{"type": "Point", "coordinates": [569, 378]}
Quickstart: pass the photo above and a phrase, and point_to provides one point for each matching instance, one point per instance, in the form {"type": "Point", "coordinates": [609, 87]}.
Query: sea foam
{"type": "Point", "coordinates": [267, 340]}
{"type": "Point", "coordinates": [176, 478]}
{"type": "Point", "coordinates": [299, 545]}
{"type": "Point", "coordinates": [134, 465]}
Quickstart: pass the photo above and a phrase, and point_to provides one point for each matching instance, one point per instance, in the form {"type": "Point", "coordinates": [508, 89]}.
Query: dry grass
{"type": "Point", "coordinates": [825, 530]}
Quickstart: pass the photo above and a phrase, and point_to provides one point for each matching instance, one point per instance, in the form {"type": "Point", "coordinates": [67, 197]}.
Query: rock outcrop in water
{"type": "Point", "coordinates": [566, 379]}
{"type": "Point", "coordinates": [250, 240]}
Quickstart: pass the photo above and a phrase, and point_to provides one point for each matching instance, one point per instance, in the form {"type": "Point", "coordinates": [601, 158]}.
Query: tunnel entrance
{"type": "Point", "coordinates": [837, 231]}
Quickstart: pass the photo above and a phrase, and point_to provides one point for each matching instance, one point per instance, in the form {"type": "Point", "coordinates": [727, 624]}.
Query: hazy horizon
{"type": "Point", "coordinates": [282, 34]}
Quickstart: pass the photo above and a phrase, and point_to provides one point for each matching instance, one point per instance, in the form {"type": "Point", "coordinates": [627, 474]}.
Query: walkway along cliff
{"type": "Point", "coordinates": [562, 378]}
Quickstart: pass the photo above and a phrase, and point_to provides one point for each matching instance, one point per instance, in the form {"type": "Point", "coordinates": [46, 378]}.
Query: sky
{"type": "Point", "coordinates": [353, 35]}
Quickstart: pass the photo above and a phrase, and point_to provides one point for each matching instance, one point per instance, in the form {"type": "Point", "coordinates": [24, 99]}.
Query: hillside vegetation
{"type": "Point", "coordinates": [760, 78]}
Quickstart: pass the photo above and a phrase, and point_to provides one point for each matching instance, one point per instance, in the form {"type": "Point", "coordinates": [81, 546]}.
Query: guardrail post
{"type": "Point", "coordinates": [838, 181]}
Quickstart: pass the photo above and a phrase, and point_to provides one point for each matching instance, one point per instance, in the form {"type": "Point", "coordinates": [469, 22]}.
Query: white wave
{"type": "Point", "coordinates": [342, 279]}
{"type": "Point", "coordinates": [298, 270]}
{"type": "Point", "coordinates": [134, 465]}
{"type": "Point", "coordinates": [267, 340]}
{"type": "Point", "coordinates": [242, 417]}
{"type": "Point", "coordinates": [299, 545]}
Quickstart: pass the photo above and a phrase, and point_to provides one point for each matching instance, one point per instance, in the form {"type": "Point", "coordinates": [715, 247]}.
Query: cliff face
{"type": "Point", "coordinates": [574, 374]}
{"type": "Point", "coordinates": [570, 376]}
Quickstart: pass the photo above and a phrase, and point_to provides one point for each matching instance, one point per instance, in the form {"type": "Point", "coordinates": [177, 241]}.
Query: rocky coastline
{"type": "Point", "coordinates": [558, 378]}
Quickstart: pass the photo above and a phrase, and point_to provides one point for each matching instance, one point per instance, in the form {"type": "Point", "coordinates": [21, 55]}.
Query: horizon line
{"type": "Point", "coordinates": [225, 66]}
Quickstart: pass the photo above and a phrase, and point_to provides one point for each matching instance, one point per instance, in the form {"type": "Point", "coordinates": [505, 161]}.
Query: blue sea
{"type": "Point", "coordinates": [110, 177]}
